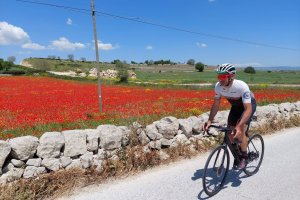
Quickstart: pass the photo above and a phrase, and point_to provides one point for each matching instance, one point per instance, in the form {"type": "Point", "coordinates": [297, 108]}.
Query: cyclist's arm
{"type": "Point", "coordinates": [214, 109]}
{"type": "Point", "coordinates": [246, 114]}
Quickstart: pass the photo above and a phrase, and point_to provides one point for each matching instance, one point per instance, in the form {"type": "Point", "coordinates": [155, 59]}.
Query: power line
{"type": "Point", "coordinates": [86, 11]}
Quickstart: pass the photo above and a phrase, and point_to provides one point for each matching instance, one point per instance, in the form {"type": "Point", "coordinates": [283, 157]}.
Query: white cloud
{"type": "Point", "coordinates": [149, 47]}
{"type": "Point", "coordinates": [10, 34]}
{"type": "Point", "coordinates": [253, 64]}
{"type": "Point", "coordinates": [23, 52]}
{"type": "Point", "coordinates": [105, 46]}
{"type": "Point", "coordinates": [211, 1]}
{"type": "Point", "coordinates": [63, 44]}
{"type": "Point", "coordinates": [33, 46]}
{"type": "Point", "coordinates": [69, 21]}
{"type": "Point", "coordinates": [202, 45]}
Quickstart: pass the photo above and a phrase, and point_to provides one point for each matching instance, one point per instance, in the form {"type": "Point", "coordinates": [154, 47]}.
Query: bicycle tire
{"type": "Point", "coordinates": [220, 152]}
{"type": "Point", "coordinates": [256, 149]}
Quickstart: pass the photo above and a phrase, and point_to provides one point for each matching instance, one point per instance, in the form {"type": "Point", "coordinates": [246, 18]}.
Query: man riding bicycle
{"type": "Point", "coordinates": [243, 106]}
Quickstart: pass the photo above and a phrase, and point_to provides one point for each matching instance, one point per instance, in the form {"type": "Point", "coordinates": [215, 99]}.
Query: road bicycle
{"type": "Point", "coordinates": [217, 164]}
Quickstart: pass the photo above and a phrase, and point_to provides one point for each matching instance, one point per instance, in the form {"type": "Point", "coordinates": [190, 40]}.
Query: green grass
{"type": "Point", "coordinates": [261, 77]}
{"type": "Point", "coordinates": [65, 65]}
{"type": "Point", "coordinates": [171, 74]}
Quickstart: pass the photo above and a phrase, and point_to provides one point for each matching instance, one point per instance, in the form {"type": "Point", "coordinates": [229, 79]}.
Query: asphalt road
{"type": "Point", "coordinates": [278, 178]}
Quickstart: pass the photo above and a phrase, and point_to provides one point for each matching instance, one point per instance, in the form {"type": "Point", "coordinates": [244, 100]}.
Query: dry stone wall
{"type": "Point", "coordinates": [29, 156]}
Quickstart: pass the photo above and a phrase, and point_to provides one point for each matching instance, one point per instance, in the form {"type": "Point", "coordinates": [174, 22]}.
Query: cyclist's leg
{"type": "Point", "coordinates": [244, 153]}
{"type": "Point", "coordinates": [244, 143]}
{"type": "Point", "coordinates": [233, 118]}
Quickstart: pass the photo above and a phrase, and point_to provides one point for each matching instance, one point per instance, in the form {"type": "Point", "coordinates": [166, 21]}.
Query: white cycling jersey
{"type": "Point", "coordinates": [237, 94]}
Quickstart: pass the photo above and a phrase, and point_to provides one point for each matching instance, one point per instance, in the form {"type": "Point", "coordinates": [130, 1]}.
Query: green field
{"type": "Point", "coordinates": [260, 77]}
{"type": "Point", "coordinates": [170, 74]}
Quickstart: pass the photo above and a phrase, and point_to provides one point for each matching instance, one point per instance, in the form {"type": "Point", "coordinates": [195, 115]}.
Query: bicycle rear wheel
{"type": "Point", "coordinates": [256, 151]}
{"type": "Point", "coordinates": [215, 170]}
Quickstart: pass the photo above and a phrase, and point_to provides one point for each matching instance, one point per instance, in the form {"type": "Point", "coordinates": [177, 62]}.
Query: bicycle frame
{"type": "Point", "coordinates": [234, 149]}
{"type": "Point", "coordinates": [216, 168]}
{"type": "Point", "coordinates": [227, 144]}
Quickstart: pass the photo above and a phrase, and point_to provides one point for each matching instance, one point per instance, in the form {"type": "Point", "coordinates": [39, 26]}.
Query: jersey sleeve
{"type": "Point", "coordinates": [217, 91]}
{"type": "Point", "coordinates": [245, 93]}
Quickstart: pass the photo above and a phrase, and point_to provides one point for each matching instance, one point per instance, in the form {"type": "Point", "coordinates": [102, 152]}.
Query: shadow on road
{"type": "Point", "coordinates": [233, 179]}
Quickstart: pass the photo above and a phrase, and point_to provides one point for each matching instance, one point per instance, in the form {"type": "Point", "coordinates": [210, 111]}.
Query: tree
{"type": "Point", "coordinates": [250, 70]}
{"type": "Point", "coordinates": [199, 66]}
{"type": "Point", "coordinates": [83, 59]}
{"type": "Point", "coordinates": [11, 59]}
{"type": "Point", "coordinates": [1, 64]}
{"type": "Point", "coordinates": [122, 69]}
{"type": "Point", "coordinates": [71, 57]}
{"type": "Point", "coordinates": [191, 62]}
{"type": "Point", "coordinates": [53, 57]}
{"type": "Point", "coordinates": [6, 65]}
{"type": "Point", "coordinates": [161, 62]}
{"type": "Point", "coordinates": [115, 61]}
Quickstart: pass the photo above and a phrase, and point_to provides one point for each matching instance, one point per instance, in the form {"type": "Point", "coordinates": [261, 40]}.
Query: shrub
{"type": "Point", "coordinates": [122, 69]}
{"type": "Point", "coordinates": [11, 59]}
{"type": "Point", "coordinates": [14, 72]}
{"type": "Point", "coordinates": [43, 65]}
{"type": "Point", "coordinates": [1, 64]}
{"type": "Point", "coordinates": [191, 62]}
{"type": "Point", "coordinates": [71, 57]}
{"type": "Point", "coordinates": [249, 70]}
{"type": "Point", "coordinates": [73, 65]}
{"type": "Point", "coordinates": [199, 66]}
{"type": "Point", "coordinates": [6, 65]}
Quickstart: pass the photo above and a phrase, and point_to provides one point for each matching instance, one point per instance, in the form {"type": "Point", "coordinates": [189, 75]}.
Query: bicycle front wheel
{"type": "Point", "coordinates": [215, 170]}
{"type": "Point", "coordinates": [256, 149]}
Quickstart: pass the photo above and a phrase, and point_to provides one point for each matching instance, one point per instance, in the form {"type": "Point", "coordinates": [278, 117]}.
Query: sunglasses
{"type": "Point", "coordinates": [223, 77]}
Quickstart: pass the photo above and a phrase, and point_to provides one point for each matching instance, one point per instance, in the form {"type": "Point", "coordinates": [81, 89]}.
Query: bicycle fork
{"type": "Point", "coordinates": [220, 168]}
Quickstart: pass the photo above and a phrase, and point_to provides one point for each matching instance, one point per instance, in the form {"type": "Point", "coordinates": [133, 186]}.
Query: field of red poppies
{"type": "Point", "coordinates": [31, 101]}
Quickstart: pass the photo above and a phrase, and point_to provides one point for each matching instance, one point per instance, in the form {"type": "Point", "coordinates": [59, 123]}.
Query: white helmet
{"type": "Point", "coordinates": [226, 69]}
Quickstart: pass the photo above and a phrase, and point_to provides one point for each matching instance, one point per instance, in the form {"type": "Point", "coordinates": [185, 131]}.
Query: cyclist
{"type": "Point", "coordinates": [243, 106]}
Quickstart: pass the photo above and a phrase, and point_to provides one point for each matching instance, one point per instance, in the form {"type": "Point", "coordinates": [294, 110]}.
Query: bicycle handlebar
{"type": "Point", "coordinates": [223, 129]}
{"type": "Point", "coordinates": [220, 128]}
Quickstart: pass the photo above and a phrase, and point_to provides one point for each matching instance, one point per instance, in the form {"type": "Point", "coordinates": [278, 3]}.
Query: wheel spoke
{"type": "Point", "coordinates": [255, 154]}
{"type": "Point", "coordinates": [215, 170]}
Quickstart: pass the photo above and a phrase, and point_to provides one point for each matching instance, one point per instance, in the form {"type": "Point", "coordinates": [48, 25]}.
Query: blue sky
{"type": "Point", "coordinates": [31, 30]}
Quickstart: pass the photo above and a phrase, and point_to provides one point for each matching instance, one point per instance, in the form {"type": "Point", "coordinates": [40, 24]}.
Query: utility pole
{"type": "Point", "coordinates": [97, 57]}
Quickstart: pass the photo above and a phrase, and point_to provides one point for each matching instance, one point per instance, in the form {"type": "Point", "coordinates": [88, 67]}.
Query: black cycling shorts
{"type": "Point", "coordinates": [236, 113]}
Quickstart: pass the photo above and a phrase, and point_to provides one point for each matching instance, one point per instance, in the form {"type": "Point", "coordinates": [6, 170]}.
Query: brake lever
{"type": "Point", "coordinates": [208, 133]}
{"type": "Point", "coordinates": [207, 130]}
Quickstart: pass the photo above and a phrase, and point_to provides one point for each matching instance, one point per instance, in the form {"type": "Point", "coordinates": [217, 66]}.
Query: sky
{"type": "Point", "coordinates": [212, 30]}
